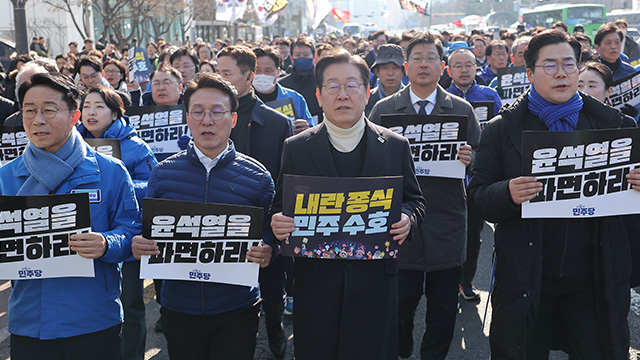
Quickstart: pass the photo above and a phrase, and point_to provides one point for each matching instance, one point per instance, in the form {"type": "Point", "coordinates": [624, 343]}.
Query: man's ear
{"type": "Point", "coordinates": [319, 97]}
{"type": "Point", "coordinates": [76, 116]}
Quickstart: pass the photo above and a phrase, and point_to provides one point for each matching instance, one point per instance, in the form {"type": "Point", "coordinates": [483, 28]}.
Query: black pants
{"type": "Point", "coordinates": [134, 329]}
{"type": "Point", "coordinates": [100, 345]}
{"type": "Point", "coordinates": [475, 222]}
{"type": "Point", "coordinates": [231, 335]}
{"type": "Point", "coordinates": [570, 300]}
{"type": "Point", "coordinates": [273, 280]}
{"type": "Point", "coordinates": [441, 291]}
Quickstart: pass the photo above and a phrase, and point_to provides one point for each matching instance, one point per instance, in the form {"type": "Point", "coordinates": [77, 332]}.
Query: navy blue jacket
{"type": "Point", "coordinates": [267, 131]}
{"type": "Point", "coordinates": [236, 179]}
{"type": "Point", "coordinates": [478, 93]}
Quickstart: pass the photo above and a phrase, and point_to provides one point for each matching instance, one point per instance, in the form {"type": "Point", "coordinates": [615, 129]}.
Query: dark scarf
{"type": "Point", "coordinates": [49, 170]}
{"type": "Point", "coordinates": [240, 133]}
{"type": "Point", "coordinates": [563, 117]}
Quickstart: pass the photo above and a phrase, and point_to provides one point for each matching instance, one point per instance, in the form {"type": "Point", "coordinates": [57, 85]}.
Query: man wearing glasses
{"type": "Point", "coordinates": [339, 304]}
{"type": "Point", "coordinates": [186, 62]}
{"type": "Point", "coordinates": [204, 320]}
{"type": "Point", "coordinates": [90, 73]}
{"type": "Point", "coordinates": [166, 87]}
{"type": "Point", "coordinates": [70, 317]}
{"type": "Point", "coordinates": [430, 264]}
{"type": "Point", "coordinates": [553, 276]}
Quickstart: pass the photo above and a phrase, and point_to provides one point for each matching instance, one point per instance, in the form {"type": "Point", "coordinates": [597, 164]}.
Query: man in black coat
{"type": "Point", "coordinates": [302, 77]}
{"type": "Point", "coordinates": [347, 309]}
{"type": "Point", "coordinates": [566, 275]}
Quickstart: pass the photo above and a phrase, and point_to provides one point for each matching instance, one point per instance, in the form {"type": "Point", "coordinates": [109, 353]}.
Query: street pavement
{"type": "Point", "coordinates": [470, 340]}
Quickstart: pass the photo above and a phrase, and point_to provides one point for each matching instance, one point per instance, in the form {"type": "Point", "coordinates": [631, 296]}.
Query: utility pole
{"type": "Point", "coordinates": [20, 16]}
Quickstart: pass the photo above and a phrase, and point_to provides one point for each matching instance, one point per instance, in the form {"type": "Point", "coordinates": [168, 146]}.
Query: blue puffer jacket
{"type": "Point", "coordinates": [136, 154]}
{"type": "Point", "coordinates": [486, 74]}
{"type": "Point", "coordinates": [65, 307]}
{"type": "Point", "coordinates": [298, 100]}
{"type": "Point", "coordinates": [236, 179]}
{"type": "Point", "coordinates": [478, 93]}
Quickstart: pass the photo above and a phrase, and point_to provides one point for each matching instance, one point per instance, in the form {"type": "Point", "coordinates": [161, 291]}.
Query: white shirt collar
{"type": "Point", "coordinates": [415, 98]}
{"type": "Point", "coordinates": [208, 162]}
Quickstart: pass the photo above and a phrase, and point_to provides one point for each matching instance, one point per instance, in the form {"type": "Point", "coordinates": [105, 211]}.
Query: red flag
{"type": "Point", "coordinates": [457, 23]}
{"type": "Point", "coordinates": [342, 15]}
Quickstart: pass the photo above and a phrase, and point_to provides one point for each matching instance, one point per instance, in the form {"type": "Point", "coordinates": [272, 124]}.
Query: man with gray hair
{"type": "Point", "coordinates": [26, 72]}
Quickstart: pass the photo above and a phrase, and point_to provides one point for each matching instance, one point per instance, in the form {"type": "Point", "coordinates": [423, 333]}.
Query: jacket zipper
{"type": "Point", "coordinates": [206, 196]}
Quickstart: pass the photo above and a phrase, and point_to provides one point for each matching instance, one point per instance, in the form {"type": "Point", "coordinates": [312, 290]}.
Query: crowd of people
{"type": "Point", "coordinates": [552, 276]}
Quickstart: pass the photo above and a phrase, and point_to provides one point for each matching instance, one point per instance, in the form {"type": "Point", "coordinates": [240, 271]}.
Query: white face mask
{"type": "Point", "coordinates": [264, 83]}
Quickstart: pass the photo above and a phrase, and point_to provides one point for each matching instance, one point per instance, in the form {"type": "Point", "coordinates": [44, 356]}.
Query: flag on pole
{"type": "Point", "coordinates": [342, 15]}
{"type": "Point", "coordinates": [417, 6]}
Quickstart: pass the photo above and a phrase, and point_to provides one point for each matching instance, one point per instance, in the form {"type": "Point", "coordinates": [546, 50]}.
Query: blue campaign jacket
{"type": "Point", "coordinates": [478, 93]}
{"type": "Point", "coordinates": [486, 74]}
{"type": "Point", "coordinates": [136, 153]}
{"type": "Point", "coordinates": [64, 307]}
{"type": "Point", "coordinates": [236, 179]}
{"type": "Point", "coordinates": [298, 101]}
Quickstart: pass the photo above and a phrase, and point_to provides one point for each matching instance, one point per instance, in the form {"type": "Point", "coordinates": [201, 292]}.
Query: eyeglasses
{"type": "Point", "coordinates": [184, 66]}
{"type": "Point", "coordinates": [420, 59]}
{"type": "Point", "coordinates": [112, 72]}
{"type": "Point", "coordinates": [351, 87]}
{"type": "Point", "coordinates": [468, 66]}
{"type": "Point", "coordinates": [49, 112]}
{"type": "Point", "coordinates": [552, 67]}
{"type": "Point", "coordinates": [198, 114]}
{"type": "Point", "coordinates": [165, 83]}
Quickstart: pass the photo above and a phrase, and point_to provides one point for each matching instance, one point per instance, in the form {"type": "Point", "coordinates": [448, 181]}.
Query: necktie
{"type": "Point", "coordinates": [423, 105]}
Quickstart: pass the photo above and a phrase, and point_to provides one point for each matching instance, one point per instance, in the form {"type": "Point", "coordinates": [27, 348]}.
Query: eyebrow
{"type": "Point", "coordinates": [554, 59]}
{"type": "Point", "coordinates": [350, 78]}
{"type": "Point", "coordinates": [46, 102]}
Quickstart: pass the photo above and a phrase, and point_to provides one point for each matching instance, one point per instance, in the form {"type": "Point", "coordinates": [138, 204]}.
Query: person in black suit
{"type": "Point", "coordinates": [353, 298]}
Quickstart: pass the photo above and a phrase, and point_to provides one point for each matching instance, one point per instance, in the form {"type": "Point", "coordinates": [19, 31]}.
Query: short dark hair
{"type": "Point", "coordinates": [605, 30]}
{"type": "Point", "coordinates": [245, 58]}
{"type": "Point", "coordinates": [477, 38]}
{"type": "Point", "coordinates": [183, 51]}
{"type": "Point", "coordinates": [378, 33]}
{"type": "Point", "coordinates": [74, 43]}
{"type": "Point", "coordinates": [204, 46]}
{"type": "Point", "coordinates": [210, 63]}
{"type": "Point", "coordinates": [268, 52]}
{"type": "Point", "coordinates": [619, 22]}
{"type": "Point", "coordinates": [117, 63]}
{"type": "Point", "coordinates": [211, 81]}
{"type": "Point", "coordinates": [582, 37]}
{"type": "Point", "coordinates": [603, 70]}
{"type": "Point", "coordinates": [548, 37]}
{"type": "Point", "coordinates": [407, 36]}
{"type": "Point", "coordinates": [341, 57]}
{"type": "Point", "coordinates": [284, 41]}
{"type": "Point", "coordinates": [91, 61]}
{"type": "Point", "coordinates": [62, 56]}
{"type": "Point", "coordinates": [560, 24]}
{"type": "Point", "coordinates": [304, 40]}
{"type": "Point", "coordinates": [168, 70]}
{"type": "Point", "coordinates": [496, 44]}
{"type": "Point", "coordinates": [87, 40]}
{"type": "Point", "coordinates": [425, 38]}
{"type": "Point", "coordinates": [152, 44]}
{"type": "Point", "coordinates": [55, 81]}
{"type": "Point", "coordinates": [110, 97]}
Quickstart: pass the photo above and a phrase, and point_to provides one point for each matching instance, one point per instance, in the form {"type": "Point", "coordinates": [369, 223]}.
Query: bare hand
{"type": "Point", "coordinates": [401, 229]}
{"type": "Point", "coordinates": [89, 245]}
{"type": "Point", "coordinates": [300, 125]}
{"type": "Point", "coordinates": [633, 177]}
{"type": "Point", "coordinates": [141, 246]}
{"type": "Point", "coordinates": [260, 254]}
{"type": "Point", "coordinates": [464, 154]}
{"type": "Point", "coordinates": [282, 226]}
{"type": "Point", "coordinates": [133, 85]}
{"type": "Point", "coordinates": [524, 188]}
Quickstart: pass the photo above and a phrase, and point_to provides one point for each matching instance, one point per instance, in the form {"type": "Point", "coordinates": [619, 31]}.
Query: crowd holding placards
{"type": "Point", "coordinates": [354, 174]}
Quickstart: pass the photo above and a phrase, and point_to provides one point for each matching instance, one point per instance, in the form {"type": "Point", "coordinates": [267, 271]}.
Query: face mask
{"type": "Point", "coordinates": [264, 83]}
{"type": "Point", "coordinates": [303, 64]}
